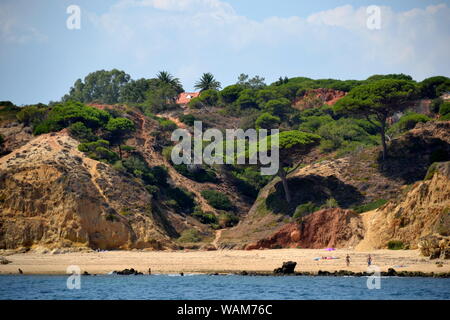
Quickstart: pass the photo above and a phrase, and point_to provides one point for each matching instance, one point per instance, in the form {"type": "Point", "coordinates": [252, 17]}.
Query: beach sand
{"type": "Point", "coordinates": [222, 261]}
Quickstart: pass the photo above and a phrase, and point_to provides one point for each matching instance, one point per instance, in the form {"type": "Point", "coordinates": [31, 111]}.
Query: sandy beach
{"type": "Point", "coordinates": [222, 261]}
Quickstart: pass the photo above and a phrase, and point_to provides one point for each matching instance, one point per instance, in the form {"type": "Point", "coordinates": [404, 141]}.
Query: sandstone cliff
{"type": "Point", "coordinates": [420, 210]}
{"type": "Point", "coordinates": [335, 228]}
{"type": "Point", "coordinates": [52, 195]}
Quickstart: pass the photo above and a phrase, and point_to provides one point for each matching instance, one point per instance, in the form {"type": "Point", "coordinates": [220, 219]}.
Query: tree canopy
{"type": "Point", "coordinates": [382, 99]}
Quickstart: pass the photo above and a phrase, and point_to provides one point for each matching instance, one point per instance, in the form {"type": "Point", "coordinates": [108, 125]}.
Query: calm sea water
{"type": "Point", "coordinates": [203, 287]}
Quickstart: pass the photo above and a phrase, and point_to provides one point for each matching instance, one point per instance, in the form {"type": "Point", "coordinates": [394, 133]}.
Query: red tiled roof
{"type": "Point", "coordinates": [185, 97]}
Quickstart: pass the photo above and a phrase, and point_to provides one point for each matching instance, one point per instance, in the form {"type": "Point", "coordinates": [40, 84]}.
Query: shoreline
{"type": "Point", "coordinates": [256, 262]}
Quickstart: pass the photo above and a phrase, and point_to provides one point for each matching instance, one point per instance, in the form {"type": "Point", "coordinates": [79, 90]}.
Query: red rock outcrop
{"type": "Point", "coordinates": [318, 97]}
{"type": "Point", "coordinates": [335, 228]}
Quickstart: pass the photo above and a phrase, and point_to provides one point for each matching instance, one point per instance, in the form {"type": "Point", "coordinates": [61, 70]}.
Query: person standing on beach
{"type": "Point", "coordinates": [369, 260]}
{"type": "Point", "coordinates": [347, 260]}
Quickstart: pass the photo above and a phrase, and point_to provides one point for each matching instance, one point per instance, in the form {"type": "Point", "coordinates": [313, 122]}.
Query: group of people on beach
{"type": "Point", "coordinates": [369, 260]}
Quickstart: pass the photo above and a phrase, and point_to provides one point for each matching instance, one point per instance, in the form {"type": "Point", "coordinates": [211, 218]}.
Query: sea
{"type": "Point", "coordinates": [227, 287]}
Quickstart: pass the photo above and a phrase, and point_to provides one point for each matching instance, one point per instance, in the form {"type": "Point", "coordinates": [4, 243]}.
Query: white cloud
{"type": "Point", "coordinates": [416, 41]}
{"type": "Point", "coordinates": [13, 30]}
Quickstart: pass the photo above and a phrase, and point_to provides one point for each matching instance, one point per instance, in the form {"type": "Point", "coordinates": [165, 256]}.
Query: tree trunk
{"type": "Point", "coordinates": [383, 137]}
{"type": "Point", "coordinates": [287, 193]}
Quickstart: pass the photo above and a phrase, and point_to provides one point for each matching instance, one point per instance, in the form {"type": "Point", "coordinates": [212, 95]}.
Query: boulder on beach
{"type": "Point", "coordinates": [287, 268]}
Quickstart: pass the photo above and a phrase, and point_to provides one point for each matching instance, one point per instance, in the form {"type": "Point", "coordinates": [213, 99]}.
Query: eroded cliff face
{"type": "Point", "coordinates": [335, 228]}
{"type": "Point", "coordinates": [421, 210]}
{"type": "Point", "coordinates": [54, 196]}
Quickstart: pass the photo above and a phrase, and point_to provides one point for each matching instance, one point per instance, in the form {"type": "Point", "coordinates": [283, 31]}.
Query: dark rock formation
{"type": "Point", "coordinates": [287, 268]}
{"type": "Point", "coordinates": [128, 272]}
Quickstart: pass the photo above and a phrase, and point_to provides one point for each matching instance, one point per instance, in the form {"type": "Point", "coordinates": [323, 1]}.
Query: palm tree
{"type": "Point", "coordinates": [207, 82]}
{"type": "Point", "coordinates": [166, 78]}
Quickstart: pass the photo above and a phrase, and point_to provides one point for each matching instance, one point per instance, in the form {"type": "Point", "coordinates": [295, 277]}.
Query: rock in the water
{"type": "Point", "coordinates": [287, 268]}
{"type": "Point", "coordinates": [128, 272]}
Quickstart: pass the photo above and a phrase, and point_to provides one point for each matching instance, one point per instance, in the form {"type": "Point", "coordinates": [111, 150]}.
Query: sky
{"type": "Point", "coordinates": [40, 57]}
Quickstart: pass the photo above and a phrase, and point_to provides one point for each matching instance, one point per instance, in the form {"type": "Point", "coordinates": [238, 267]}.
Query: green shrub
{"type": "Point", "coordinates": [167, 125]}
{"type": "Point", "coordinates": [190, 235]}
{"type": "Point", "coordinates": [205, 218]}
{"type": "Point", "coordinates": [395, 245]}
{"type": "Point", "coordinates": [247, 99]}
{"type": "Point", "coordinates": [80, 132]}
{"type": "Point", "coordinates": [188, 119]}
{"type": "Point", "coordinates": [305, 209]}
{"type": "Point", "coordinates": [330, 203]}
{"type": "Point", "coordinates": [120, 126]}
{"type": "Point", "coordinates": [228, 220]}
{"type": "Point", "coordinates": [431, 171]}
{"type": "Point", "coordinates": [185, 200]}
{"type": "Point", "coordinates": [444, 109]}
{"type": "Point", "coordinates": [196, 103]}
{"type": "Point", "coordinates": [370, 206]}
{"type": "Point", "coordinates": [279, 107]}
{"type": "Point", "coordinates": [31, 115]}
{"type": "Point", "coordinates": [217, 200]}
{"type": "Point", "coordinates": [99, 150]}
{"type": "Point", "coordinates": [267, 121]}
{"type": "Point", "coordinates": [408, 122]}
{"type": "Point", "coordinates": [209, 97]}
{"type": "Point", "coordinates": [231, 93]}
{"type": "Point", "coordinates": [199, 174]}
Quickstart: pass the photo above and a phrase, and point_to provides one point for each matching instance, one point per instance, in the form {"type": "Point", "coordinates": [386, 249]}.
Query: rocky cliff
{"type": "Point", "coordinates": [335, 228]}
{"type": "Point", "coordinates": [421, 209]}
{"type": "Point", "coordinates": [52, 195]}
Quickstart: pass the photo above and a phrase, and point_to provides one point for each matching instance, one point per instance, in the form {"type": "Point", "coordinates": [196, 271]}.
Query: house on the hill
{"type": "Point", "coordinates": [185, 97]}
{"type": "Point", "coordinates": [446, 96]}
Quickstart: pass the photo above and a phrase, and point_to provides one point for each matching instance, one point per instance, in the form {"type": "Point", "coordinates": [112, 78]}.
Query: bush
{"type": "Point", "coordinates": [228, 220]}
{"type": "Point", "coordinates": [395, 245]}
{"type": "Point", "coordinates": [205, 218]}
{"type": "Point", "coordinates": [80, 132]}
{"type": "Point", "coordinates": [188, 119]}
{"type": "Point", "coordinates": [279, 107]}
{"type": "Point", "coordinates": [190, 235]}
{"type": "Point", "coordinates": [408, 122]}
{"type": "Point", "coordinates": [431, 171]}
{"type": "Point", "coordinates": [167, 125]}
{"type": "Point", "coordinates": [209, 97]}
{"type": "Point", "coordinates": [99, 150]}
{"type": "Point", "coordinates": [370, 206]}
{"type": "Point", "coordinates": [120, 126]}
{"type": "Point", "coordinates": [217, 200]}
{"type": "Point", "coordinates": [231, 93]}
{"type": "Point", "coordinates": [196, 103]}
{"type": "Point", "coordinates": [247, 99]}
{"type": "Point", "coordinates": [305, 209]}
{"type": "Point", "coordinates": [267, 121]}
{"type": "Point", "coordinates": [330, 203]}
{"type": "Point", "coordinates": [31, 115]}
{"type": "Point", "coordinates": [444, 109]}
{"type": "Point", "coordinates": [198, 174]}
{"type": "Point", "coordinates": [185, 200]}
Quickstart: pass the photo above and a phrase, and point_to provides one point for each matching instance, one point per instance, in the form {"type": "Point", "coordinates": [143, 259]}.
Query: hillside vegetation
{"type": "Point", "coordinates": [344, 144]}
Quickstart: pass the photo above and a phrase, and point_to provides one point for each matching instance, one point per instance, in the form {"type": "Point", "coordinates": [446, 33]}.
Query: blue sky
{"type": "Point", "coordinates": [40, 58]}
